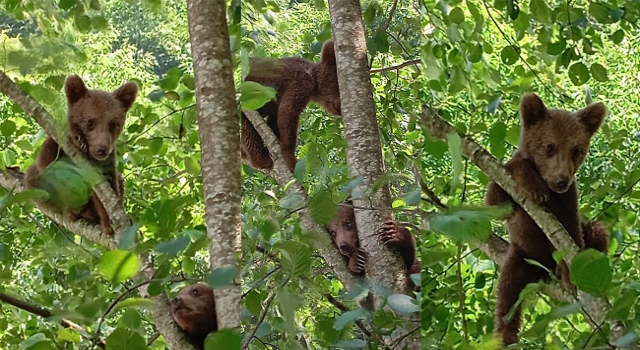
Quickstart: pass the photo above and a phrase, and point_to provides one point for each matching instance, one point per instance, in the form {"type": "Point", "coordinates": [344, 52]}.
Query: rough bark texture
{"type": "Point", "coordinates": [595, 307]}
{"type": "Point", "coordinates": [220, 145]}
{"type": "Point", "coordinates": [364, 152]}
{"type": "Point", "coordinates": [283, 176]}
{"type": "Point", "coordinates": [120, 221]}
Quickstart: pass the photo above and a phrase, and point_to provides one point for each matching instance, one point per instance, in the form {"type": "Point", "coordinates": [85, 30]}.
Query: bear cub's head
{"type": "Point", "coordinates": [556, 140]}
{"type": "Point", "coordinates": [96, 117]}
{"type": "Point", "coordinates": [194, 309]}
{"type": "Point", "coordinates": [343, 230]}
{"type": "Point", "coordinates": [328, 92]}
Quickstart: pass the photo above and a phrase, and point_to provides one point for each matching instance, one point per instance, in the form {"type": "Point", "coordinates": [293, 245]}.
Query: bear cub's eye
{"type": "Point", "coordinates": [194, 292]}
{"type": "Point", "coordinates": [347, 225]}
{"type": "Point", "coordinates": [90, 123]}
{"type": "Point", "coordinates": [333, 234]}
{"type": "Point", "coordinates": [550, 148]}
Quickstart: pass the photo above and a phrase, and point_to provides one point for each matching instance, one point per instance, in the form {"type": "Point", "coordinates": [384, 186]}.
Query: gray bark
{"type": "Point", "coordinates": [120, 221]}
{"type": "Point", "coordinates": [220, 145]}
{"type": "Point", "coordinates": [595, 307]}
{"type": "Point", "coordinates": [364, 152]}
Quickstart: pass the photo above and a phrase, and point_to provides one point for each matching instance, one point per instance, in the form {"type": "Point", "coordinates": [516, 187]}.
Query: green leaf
{"type": "Point", "coordinates": [68, 185]}
{"type": "Point", "coordinates": [7, 128]}
{"type": "Point", "coordinates": [599, 73]}
{"type": "Point", "coordinates": [134, 303]}
{"type": "Point", "coordinates": [626, 340]}
{"type": "Point", "coordinates": [254, 95]}
{"type": "Point", "coordinates": [509, 55]}
{"type": "Point", "coordinates": [224, 339]}
{"type": "Point", "coordinates": [125, 339]}
{"type": "Point", "coordinates": [403, 304]}
{"type": "Point", "coordinates": [156, 95]}
{"type": "Point", "coordinates": [83, 22]}
{"type": "Point", "coordinates": [540, 11]}
{"type": "Point", "coordinates": [466, 224]}
{"type": "Point", "coordinates": [456, 15]}
{"type": "Point", "coordinates": [296, 258]}
{"type": "Point", "coordinates": [321, 207]}
{"type": "Point", "coordinates": [174, 246]}
{"type": "Point", "coordinates": [590, 272]}
{"type": "Point", "coordinates": [349, 317]}
{"type": "Point", "coordinates": [172, 95]}
{"type": "Point", "coordinates": [32, 340]}
{"type": "Point", "coordinates": [617, 36]}
{"type": "Point", "coordinates": [222, 276]}
{"type": "Point", "coordinates": [119, 265]}
{"type": "Point", "coordinates": [189, 81]}
{"type": "Point", "coordinates": [66, 4]}
{"type": "Point", "coordinates": [578, 73]}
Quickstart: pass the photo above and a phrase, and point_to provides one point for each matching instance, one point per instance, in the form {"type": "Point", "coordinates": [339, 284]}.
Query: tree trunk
{"type": "Point", "coordinates": [220, 145]}
{"type": "Point", "coordinates": [364, 152]}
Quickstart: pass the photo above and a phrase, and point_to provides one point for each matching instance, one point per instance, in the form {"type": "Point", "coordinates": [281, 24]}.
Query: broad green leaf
{"type": "Point", "coordinates": [321, 207]}
{"type": "Point", "coordinates": [255, 95]}
{"type": "Point", "coordinates": [403, 304]}
{"type": "Point", "coordinates": [296, 258]}
{"type": "Point", "coordinates": [579, 73]}
{"type": "Point", "coordinates": [119, 265]}
{"type": "Point", "coordinates": [128, 237]}
{"type": "Point", "coordinates": [466, 224]}
{"type": "Point", "coordinates": [456, 159]}
{"type": "Point", "coordinates": [599, 73]}
{"type": "Point", "coordinates": [134, 303]}
{"type": "Point", "coordinates": [509, 55]}
{"type": "Point", "coordinates": [456, 15]}
{"type": "Point", "coordinates": [174, 246]}
{"type": "Point", "coordinates": [224, 339]}
{"type": "Point", "coordinates": [349, 317]}
{"type": "Point", "coordinates": [125, 339]}
{"type": "Point", "coordinates": [590, 272]}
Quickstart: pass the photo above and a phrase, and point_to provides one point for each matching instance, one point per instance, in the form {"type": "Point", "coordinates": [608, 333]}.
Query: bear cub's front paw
{"type": "Point", "coordinates": [357, 260]}
{"type": "Point", "coordinates": [389, 234]}
{"type": "Point", "coordinates": [537, 190]}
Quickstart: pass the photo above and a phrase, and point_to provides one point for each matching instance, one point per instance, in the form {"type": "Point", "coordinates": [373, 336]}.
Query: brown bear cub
{"type": "Point", "coordinates": [553, 145]}
{"type": "Point", "coordinates": [297, 82]}
{"type": "Point", "coordinates": [96, 119]}
{"type": "Point", "coordinates": [344, 234]}
{"type": "Point", "coordinates": [195, 313]}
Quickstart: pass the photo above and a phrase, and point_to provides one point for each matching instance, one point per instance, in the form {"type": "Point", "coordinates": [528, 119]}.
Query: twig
{"type": "Point", "coordinates": [397, 67]}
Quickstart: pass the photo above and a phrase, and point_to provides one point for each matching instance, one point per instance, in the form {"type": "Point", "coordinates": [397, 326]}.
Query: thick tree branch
{"type": "Point", "coordinates": [595, 307]}
{"type": "Point", "coordinates": [220, 146]}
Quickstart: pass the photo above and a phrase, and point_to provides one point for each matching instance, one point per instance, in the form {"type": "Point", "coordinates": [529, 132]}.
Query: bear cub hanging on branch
{"type": "Point", "coordinates": [297, 82]}
{"type": "Point", "coordinates": [344, 235]}
{"type": "Point", "coordinates": [553, 145]}
{"type": "Point", "coordinates": [96, 119]}
{"type": "Point", "coordinates": [194, 311]}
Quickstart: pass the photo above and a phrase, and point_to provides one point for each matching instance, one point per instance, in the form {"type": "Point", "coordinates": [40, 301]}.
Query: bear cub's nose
{"type": "Point", "coordinates": [563, 183]}
{"type": "Point", "coordinates": [102, 151]}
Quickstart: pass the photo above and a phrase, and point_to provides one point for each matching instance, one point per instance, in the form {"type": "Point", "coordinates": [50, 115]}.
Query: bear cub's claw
{"type": "Point", "coordinates": [389, 233]}
{"type": "Point", "coordinates": [357, 260]}
{"type": "Point", "coordinates": [538, 191]}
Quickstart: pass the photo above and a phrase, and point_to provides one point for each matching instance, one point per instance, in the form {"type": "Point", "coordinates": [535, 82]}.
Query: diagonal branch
{"type": "Point", "coordinates": [596, 307]}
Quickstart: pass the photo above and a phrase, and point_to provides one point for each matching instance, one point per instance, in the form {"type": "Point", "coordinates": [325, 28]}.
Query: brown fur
{"type": "Point", "coordinates": [344, 234]}
{"type": "Point", "coordinates": [297, 82]}
{"type": "Point", "coordinates": [96, 119]}
{"type": "Point", "coordinates": [195, 312]}
{"type": "Point", "coordinates": [553, 145]}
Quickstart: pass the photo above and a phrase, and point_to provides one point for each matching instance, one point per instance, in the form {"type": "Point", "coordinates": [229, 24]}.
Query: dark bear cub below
{"type": "Point", "coordinates": [553, 145]}
{"type": "Point", "coordinates": [344, 234]}
{"type": "Point", "coordinates": [96, 119]}
{"type": "Point", "coordinates": [297, 82]}
{"type": "Point", "coordinates": [195, 312]}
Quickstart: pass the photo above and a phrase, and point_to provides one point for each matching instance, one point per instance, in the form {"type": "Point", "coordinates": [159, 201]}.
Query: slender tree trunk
{"type": "Point", "coordinates": [220, 145]}
{"type": "Point", "coordinates": [364, 152]}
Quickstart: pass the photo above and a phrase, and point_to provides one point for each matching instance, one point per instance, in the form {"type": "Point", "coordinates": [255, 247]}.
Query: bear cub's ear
{"type": "Point", "coordinates": [328, 55]}
{"type": "Point", "coordinates": [592, 116]}
{"type": "Point", "coordinates": [126, 94]}
{"type": "Point", "coordinates": [74, 88]}
{"type": "Point", "coordinates": [532, 110]}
